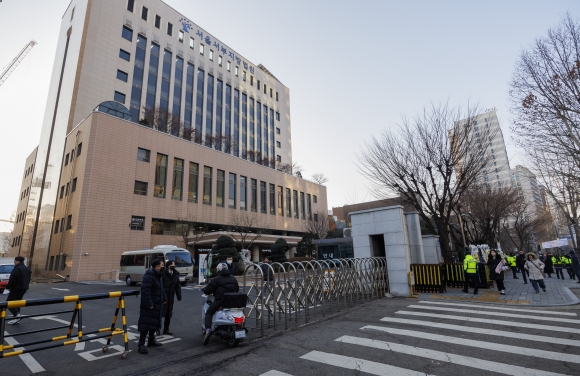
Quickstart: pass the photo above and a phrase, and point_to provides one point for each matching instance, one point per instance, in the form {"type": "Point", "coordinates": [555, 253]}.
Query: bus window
{"type": "Point", "coordinates": [182, 259]}
{"type": "Point", "coordinates": [139, 260]}
{"type": "Point", "coordinates": [127, 260]}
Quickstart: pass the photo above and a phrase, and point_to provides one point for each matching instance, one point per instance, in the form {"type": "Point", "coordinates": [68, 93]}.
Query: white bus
{"type": "Point", "coordinates": [135, 263]}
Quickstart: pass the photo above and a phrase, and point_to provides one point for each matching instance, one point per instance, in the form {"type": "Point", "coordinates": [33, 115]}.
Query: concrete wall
{"type": "Point", "coordinates": [415, 240]}
{"type": "Point", "coordinates": [431, 249]}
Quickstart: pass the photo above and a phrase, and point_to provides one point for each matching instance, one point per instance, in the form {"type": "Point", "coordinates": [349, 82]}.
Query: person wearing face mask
{"type": "Point", "coordinates": [151, 309]}
{"type": "Point", "coordinates": [231, 266]}
{"type": "Point", "coordinates": [172, 287]}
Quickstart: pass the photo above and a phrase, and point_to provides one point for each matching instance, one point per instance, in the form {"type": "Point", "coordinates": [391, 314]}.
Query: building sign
{"type": "Point", "coordinates": [185, 24]}
{"type": "Point", "coordinates": [555, 243]}
{"type": "Point", "coordinates": [225, 51]}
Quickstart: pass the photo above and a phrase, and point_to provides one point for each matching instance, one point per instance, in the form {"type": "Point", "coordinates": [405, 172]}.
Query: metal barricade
{"type": "Point", "coordinates": [77, 317]}
{"type": "Point", "coordinates": [454, 276]}
{"type": "Point", "coordinates": [428, 278]}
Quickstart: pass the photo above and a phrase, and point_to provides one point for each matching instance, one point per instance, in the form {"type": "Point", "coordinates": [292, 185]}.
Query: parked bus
{"type": "Point", "coordinates": [135, 263]}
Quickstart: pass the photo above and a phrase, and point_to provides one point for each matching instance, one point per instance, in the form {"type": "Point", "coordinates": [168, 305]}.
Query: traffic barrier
{"type": "Point", "coordinates": [454, 276]}
{"type": "Point", "coordinates": [428, 278]}
{"type": "Point", "coordinates": [67, 339]}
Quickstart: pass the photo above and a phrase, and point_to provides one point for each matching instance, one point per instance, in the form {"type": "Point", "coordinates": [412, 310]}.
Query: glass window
{"type": "Point", "coordinates": [277, 99]}
{"type": "Point", "coordinates": [265, 92]}
{"type": "Point", "coordinates": [119, 97]}
{"type": "Point", "coordinates": [236, 71]}
{"type": "Point", "coordinates": [193, 178]}
{"type": "Point", "coordinates": [127, 33]}
{"type": "Point", "coordinates": [207, 172]}
{"type": "Point", "coordinates": [140, 188]}
{"type": "Point", "coordinates": [277, 130]}
{"type": "Point", "coordinates": [62, 191]}
{"type": "Point", "coordinates": [271, 91]}
{"type": "Point", "coordinates": [220, 60]}
{"type": "Point", "coordinates": [56, 226]}
{"type": "Point", "coordinates": [124, 55]}
{"type": "Point", "coordinates": [221, 177]}
{"type": "Point", "coordinates": [177, 179]}
{"type": "Point", "coordinates": [244, 75]}
{"type": "Point", "coordinates": [157, 21]}
{"type": "Point", "coordinates": [66, 160]}
{"type": "Point", "coordinates": [165, 83]}
{"type": "Point", "coordinates": [280, 200]}
{"type": "Point", "coordinates": [144, 13]}
{"type": "Point", "coordinates": [278, 116]}
{"type": "Point", "coordinates": [211, 55]}
{"type": "Point", "coordinates": [160, 175]}
{"type": "Point", "coordinates": [263, 193]}
{"type": "Point", "coordinates": [143, 155]}
{"type": "Point", "coordinates": [137, 223]}
{"type": "Point", "coordinates": [278, 158]}
{"type": "Point", "coordinates": [74, 185]}
{"type": "Point", "coordinates": [254, 195]}
{"type": "Point", "coordinates": [272, 199]}
{"type": "Point", "coordinates": [278, 144]}
{"type": "Point", "coordinates": [61, 224]}
{"type": "Point", "coordinates": [309, 206]}
{"type": "Point", "coordinates": [191, 42]}
{"type": "Point", "coordinates": [302, 206]}
{"type": "Point", "coordinates": [288, 203]}
{"type": "Point", "coordinates": [79, 149]}
{"type": "Point", "coordinates": [201, 48]}
{"type": "Point", "coordinates": [181, 36]}
{"type": "Point", "coordinates": [69, 222]}
{"type": "Point", "coordinates": [315, 217]}
{"type": "Point", "coordinates": [229, 66]}
{"type": "Point", "coordinates": [252, 80]}
{"type": "Point", "coordinates": [130, 5]}
{"type": "Point", "coordinates": [169, 29]}
{"type": "Point", "coordinates": [122, 75]}
{"type": "Point", "coordinates": [232, 191]}
{"type": "Point", "coordinates": [258, 84]}
{"type": "Point", "coordinates": [243, 192]}
{"type": "Point", "coordinates": [314, 199]}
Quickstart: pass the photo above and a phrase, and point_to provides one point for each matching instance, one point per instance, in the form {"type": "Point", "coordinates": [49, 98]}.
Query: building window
{"type": "Point", "coordinates": [201, 48]}
{"type": "Point", "coordinates": [277, 99]}
{"type": "Point", "coordinates": [177, 179]}
{"type": "Point", "coordinates": [79, 149]}
{"type": "Point", "coordinates": [56, 226]}
{"type": "Point", "coordinates": [69, 222]}
{"type": "Point", "coordinates": [277, 130]}
{"type": "Point", "coordinates": [265, 91]}
{"type": "Point", "coordinates": [137, 223]}
{"type": "Point", "coordinates": [258, 84]}
{"type": "Point", "coordinates": [272, 199]}
{"type": "Point", "coordinates": [263, 193]}
{"type": "Point", "coordinates": [229, 66]}
{"type": "Point", "coordinates": [207, 172]}
{"type": "Point", "coordinates": [315, 199]}
{"type": "Point", "coordinates": [288, 203]}
{"type": "Point", "coordinates": [157, 21]}
{"type": "Point", "coordinates": [236, 71]}
{"type": "Point", "coordinates": [302, 206]}
{"type": "Point", "coordinates": [124, 55]}
{"type": "Point", "coordinates": [252, 80]}
{"type": "Point", "coordinates": [160, 176]}
{"type": "Point", "coordinates": [140, 188]}
{"type": "Point", "coordinates": [220, 60]}
{"type": "Point", "coordinates": [309, 206]}
{"type": "Point", "coordinates": [271, 92]}
{"type": "Point", "coordinates": [169, 29]}
{"type": "Point", "coordinates": [199, 107]}
{"type": "Point", "coordinates": [315, 217]}
{"type": "Point", "coordinates": [244, 75]}
{"type": "Point", "coordinates": [165, 81]}
{"type": "Point", "coordinates": [119, 97]}
{"type": "Point", "coordinates": [232, 191]}
{"type": "Point", "coordinates": [191, 42]}
{"type": "Point", "coordinates": [122, 75]}
{"type": "Point", "coordinates": [74, 185]}
{"type": "Point", "coordinates": [143, 155]}
{"type": "Point", "coordinates": [278, 158]}
{"type": "Point", "coordinates": [144, 13]}
{"type": "Point", "coordinates": [211, 55]}
{"type": "Point", "coordinates": [254, 195]}
{"type": "Point", "coordinates": [295, 195]}
{"type": "Point", "coordinates": [61, 192]}
{"type": "Point", "coordinates": [243, 192]}
{"type": "Point", "coordinates": [61, 224]}
{"type": "Point", "coordinates": [278, 116]}
{"type": "Point", "coordinates": [181, 36]}
{"type": "Point", "coordinates": [127, 33]}
{"type": "Point", "coordinates": [72, 14]}
{"type": "Point", "coordinates": [280, 200]}
{"type": "Point", "coordinates": [221, 187]}
{"type": "Point", "coordinates": [278, 144]}
{"type": "Point", "coordinates": [66, 160]}
{"type": "Point", "coordinates": [193, 178]}
{"type": "Point", "coordinates": [130, 5]}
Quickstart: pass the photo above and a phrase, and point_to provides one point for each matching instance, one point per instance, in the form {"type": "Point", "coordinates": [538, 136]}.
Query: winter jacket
{"type": "Point", "coordinates": [535, 267]}
{"type": "Point", "coordinates": [224, 282]}
{"type": "Point", "coordinates": [520, 260]}
{"type": "Point", "coordinates": [171, 287]}
{"type": "Point", "coordinates": [549, 265]}
{"type": "Point", "coordinates": [152, 294]}
{"type": "Point", "coordinates": [267, 272]}
{"type": "Point", "coordinates": [231, 268]}
{"type": "Point", "coordinates": [575, 263]}
{"type": "Point", "coordinates": [19, 278]}
{"type": "Point", "coordinates": [492, 264]}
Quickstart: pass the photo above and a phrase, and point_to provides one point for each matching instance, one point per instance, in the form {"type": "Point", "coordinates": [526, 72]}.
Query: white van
{"type": "Point", "coordinates": [6, 267]}
{"type": "Point", "coordinates": [135, 263]}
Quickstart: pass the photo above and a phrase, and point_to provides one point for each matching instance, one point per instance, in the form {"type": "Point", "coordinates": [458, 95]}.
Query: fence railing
{"type": "Point", "coordinates": [298, 292]}
{"type": "Point", "coordinates": [435, 278]}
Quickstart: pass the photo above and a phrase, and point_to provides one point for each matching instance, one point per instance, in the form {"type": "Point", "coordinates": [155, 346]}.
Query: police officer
{"type": "Point", "coordinates": [470, 269]}
{"type": "Point", "coordinates": [568, 266]}
{"type": "Point", "coordinates": [558, 266]}
{"type": "Point", "coordinates": [511, 259]}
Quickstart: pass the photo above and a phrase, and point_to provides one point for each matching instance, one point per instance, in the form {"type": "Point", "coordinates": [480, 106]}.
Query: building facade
{"type": "Point", "coordinates": [151, 70]}
{"type": "Point", "coordinates": [527, 184]}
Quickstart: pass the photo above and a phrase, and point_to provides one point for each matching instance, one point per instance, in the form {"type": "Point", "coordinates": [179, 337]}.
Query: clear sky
{"type": "Point", "coordinates": [353, 68]}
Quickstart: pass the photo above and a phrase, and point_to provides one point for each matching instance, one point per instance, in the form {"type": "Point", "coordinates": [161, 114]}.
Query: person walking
{"type": "Point", "coordinates": [151, 310]}
{"type": "Point", "coordinates": [470, 270]}
{"type": "Point", "coordinates": [558, 266]}
{"type": "Point", "coordinates": [511, 259]}
{"type": "Point", "coordinates": [267, 272]}
{"type": "Point", "coordinates": [231, 266]}
{"type": "Point", "coordinates": [568, 266]}
{"type": "Point", "coordinates": [520, 262]}
{"type": "Point", "coordinates": [18, 284]}
{"type": "Point", "coordinates": [549, 268]}
{"type": "Point", "coordinates": [172, 288]}
{"type": "Point", "coordinates": [495, 263]}
{"type": "Point", "coordinates": [575, 264]}
{"type": "Point", "coordinates": [536, 269]}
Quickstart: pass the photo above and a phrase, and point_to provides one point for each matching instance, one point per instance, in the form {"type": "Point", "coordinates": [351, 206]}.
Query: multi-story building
{"type": "Point", "coordinates": [526, 182]}
{"type": "Point", "coordinates": [150, 118]}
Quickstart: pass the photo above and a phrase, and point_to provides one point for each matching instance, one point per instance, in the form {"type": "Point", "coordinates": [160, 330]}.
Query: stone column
{"type": "Point", "coordinates": [415, 239]}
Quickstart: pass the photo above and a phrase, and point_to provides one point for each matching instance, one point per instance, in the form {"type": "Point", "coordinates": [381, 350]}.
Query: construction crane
{"type": "Point", "coordinates": [14, 63]}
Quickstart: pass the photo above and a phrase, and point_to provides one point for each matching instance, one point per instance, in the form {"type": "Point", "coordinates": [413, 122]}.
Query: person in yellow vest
{"type": "Point", "coordinates": [511, 259]}
{"type": "Point", "coordinates": [568, 266]}
{"type": "Point", "coordinates": [558, 266]}
{"type": "Point", "coordinates": [470, 269]}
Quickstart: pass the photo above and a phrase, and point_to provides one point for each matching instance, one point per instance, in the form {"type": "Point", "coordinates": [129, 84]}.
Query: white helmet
{"type": "Point", "coordinates": [221, 266]}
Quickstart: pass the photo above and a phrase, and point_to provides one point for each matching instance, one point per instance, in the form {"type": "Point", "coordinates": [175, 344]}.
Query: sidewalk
{"type": "Point", "coordinates": [557, 293]}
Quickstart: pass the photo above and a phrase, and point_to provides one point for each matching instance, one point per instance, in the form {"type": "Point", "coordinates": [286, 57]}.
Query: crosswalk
{"type": "Point", "coordinates": [482, 339]}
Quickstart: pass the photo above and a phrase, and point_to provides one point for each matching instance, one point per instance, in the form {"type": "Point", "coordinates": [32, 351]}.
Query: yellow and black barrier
{"type": "Point", "coordinates": [77, 317]}
{"type": "Point", "coordinates": [428, 278]}
{"type": "Point", "coordinates": [454, 276]}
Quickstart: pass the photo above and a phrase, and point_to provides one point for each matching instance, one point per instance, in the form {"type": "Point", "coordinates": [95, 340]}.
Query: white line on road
{"type": "Point", "coordinates": [53, 318]}
{"type": "Point", "coordinates": [518, 350]}
{"type": "Point", "coordinates": [466, 361]}
{"type": "Point", "coordinates": [362, 365]}
{"type": "Point", "coordinates": [499, 308]}
{"type": "Point", "coordinates": [30, 362]}
{"type": "Point", "coordinates": [492, 321]}
{"type": "Point", "coordinates": [275, 373]}
{"type": "Point", "coordinates": [491, 332]}
{"type": "Point", "coordinates": [515, 315]}
{"type": "Point", "coordinates": [54, 288]}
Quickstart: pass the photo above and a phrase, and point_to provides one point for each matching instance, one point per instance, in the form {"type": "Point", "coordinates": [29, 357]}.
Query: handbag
{"type": "Point", "coordinates": [500, 267]}
{"type": "Point", "coordinates": [543, 274]}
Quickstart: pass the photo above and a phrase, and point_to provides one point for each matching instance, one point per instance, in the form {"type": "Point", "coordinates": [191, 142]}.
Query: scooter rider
{"type": "Point", "coordinates": [224, 282]}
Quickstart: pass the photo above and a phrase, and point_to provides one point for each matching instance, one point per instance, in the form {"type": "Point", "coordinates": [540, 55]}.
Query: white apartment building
{"type": "Point", "coordinates": [526, 181]}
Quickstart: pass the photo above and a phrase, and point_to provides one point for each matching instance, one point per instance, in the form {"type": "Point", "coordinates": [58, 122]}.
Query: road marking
{"type": "Point", "coordinates": [362, 365]}
{"type": "Point", "coordinates": [30, 362]}
{"type": "Point", "coordinates": [54, 288]}
{"type": "Point", "coordinates": [515, 315]}
{"type": "Point", "coordinates": [53, 318]}
{"type": "Point", "coordinates": [491, 332]}
{"type": "Point", "coordinates": [499, 308]}
{"type": "Point", "coordinates": [492, 321]}
{"type": "Point", "coordinates": [467, 361]}
{"type": "Point", "coordinates": [88, 355]}
{"type": "Point", "coordinates": [480, 344]}
{"type": "Point", "coordinates": [275, 373]}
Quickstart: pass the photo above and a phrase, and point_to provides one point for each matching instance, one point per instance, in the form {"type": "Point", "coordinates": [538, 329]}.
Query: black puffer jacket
{"type": "Point", "coordinates": [520, 260]}
{"type": "Point", "coordinates": [152, 294]}
{"type": "Point", "coordinates": [172, 287]}
{"type": "Point", "coordinates": [221, 284]}
{"type": "Point", "coordinates": [19, 278]}
{"type": "Point", "coordinates": [492, 264]}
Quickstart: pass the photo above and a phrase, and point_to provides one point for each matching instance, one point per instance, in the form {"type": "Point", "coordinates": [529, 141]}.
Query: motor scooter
{"type": "Point", "coordinates": [229, 321]}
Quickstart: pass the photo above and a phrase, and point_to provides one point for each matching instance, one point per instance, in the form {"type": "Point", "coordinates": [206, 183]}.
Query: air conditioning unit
{"type": "Point", "coordinates": [347, 232]}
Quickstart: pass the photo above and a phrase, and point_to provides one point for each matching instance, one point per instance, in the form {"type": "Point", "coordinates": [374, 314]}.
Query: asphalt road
{"type": "Point", "coordinates": [384, 337]}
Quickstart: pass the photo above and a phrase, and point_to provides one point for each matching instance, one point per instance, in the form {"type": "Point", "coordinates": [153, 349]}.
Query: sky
{"type": "Point", "coordinates": [354, 68]}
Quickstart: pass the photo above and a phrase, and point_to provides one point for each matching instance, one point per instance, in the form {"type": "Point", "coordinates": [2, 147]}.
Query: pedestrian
{"type": "Point", "coordinates": [542, 257]}
{"type": "Point", "coordinates": [568, 266]}
{"type": "Point", "coordinates": [267, 271]}
{"type": "Point", "coordinates": [520, 262]}
{"type": "Point", "coordinates": [512, 263]}
{"type": "Point", "coordinates": [151, 310]}
{"type": "Point", "coordinates": [495, 263]}
{"type": "Point", "coordinates": [549, 268]}
{"type": "Point", "coordinates": [18, 284]}
{"type": "Point", "coordinates": [470, 270]}
{"type": "Point", "coordinates": [231, 266]}
{"type": "Point", "coordinates": [558, 266]}
{"type": "Point", "coordinates": [172, 288]}
{"type": "Point", "coordinates": [536, 269]}
{"type": "Point", "coordinates": [575, 264]}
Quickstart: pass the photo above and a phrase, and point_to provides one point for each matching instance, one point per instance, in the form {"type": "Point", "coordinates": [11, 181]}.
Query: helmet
{"type": "Point", "coordinates": [221, 266]}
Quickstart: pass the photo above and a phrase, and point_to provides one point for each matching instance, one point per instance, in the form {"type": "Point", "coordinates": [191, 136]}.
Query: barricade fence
{"type": "Point", "coordinates": [435, 278]}
{"type": "Point", "coordinates": [76, 320]}
{"type": "Point", "coordinates": [292, 293]}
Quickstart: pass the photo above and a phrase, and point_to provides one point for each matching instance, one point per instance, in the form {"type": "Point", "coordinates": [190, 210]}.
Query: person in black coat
{"type": "Point", "coordinates": [493, 261]}
{"type": "Point", "coordinates": [266, 270]}
{"type": "Point", "coordinates": [231, 266]}
{"type": "Point", "coordinates": [549, 265]}
{"type": "Point", "coordinates": [18, 285]}
{"type": "Point", "coordinates": [151, 310]}
{"type": "Point", "coordinates": [520, 262]}
{"type": "Point", "coordinates": [172, 287]}
{"type": "Point", "coordinates": [575, 264]}
{"type": "Point", "coordinates": [224, 282]}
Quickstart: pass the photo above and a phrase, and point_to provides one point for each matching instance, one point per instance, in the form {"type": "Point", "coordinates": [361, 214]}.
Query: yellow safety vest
{"type": "Point", "coordinates": [470, 266]}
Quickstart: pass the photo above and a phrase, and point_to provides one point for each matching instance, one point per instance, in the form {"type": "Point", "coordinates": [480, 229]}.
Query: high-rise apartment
{"type": "Point", "coordinates": [150, 118]}
{"type": "Point", "coordinates": [526, 182]}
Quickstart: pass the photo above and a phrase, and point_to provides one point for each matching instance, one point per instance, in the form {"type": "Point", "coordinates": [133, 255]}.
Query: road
{"type": "Point", "coordinates": [384, 337]}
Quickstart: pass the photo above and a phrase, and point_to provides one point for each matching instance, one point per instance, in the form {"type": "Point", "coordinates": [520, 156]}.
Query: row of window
{"type": "Point", "coordinates": [16, 241]}
{"type": "Point", "coordinates": [70, 187]}
{"type": "Point", "coordinates": [20, 217]}
{"type": "Point", "coordinates": [59, 225]}
{"type": "Point", "coordinates": [60, 263]}
{"type": "Point", "coordinates": [72, 153]}
{"type": "Point", "coordinates": [25, 193]}
{"type": "Point", "coordinates": [28, 170]}
{"type": "Point", "coordinates": [279, 197]}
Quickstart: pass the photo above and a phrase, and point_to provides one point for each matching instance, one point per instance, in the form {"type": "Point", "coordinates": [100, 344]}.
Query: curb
{"type": "Point", "coordinates": [570, 294]}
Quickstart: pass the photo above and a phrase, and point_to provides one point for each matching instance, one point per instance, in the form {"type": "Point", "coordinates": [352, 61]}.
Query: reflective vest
{"type": "Point", "coordinates": [557, 261]}
{"type": "Point", "coordinates": [470, 265]}
{"type": "Point", "coordinates": [511, 260]}
{"type": "Point", "coordinates": [567, 261]}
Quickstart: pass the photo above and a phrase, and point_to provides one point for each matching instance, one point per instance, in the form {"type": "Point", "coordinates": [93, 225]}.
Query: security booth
{"type": "Point", "coordinates": [331, 249]}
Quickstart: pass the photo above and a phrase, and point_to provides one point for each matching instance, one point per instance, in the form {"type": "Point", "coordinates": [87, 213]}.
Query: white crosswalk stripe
{"type": "Point", "coordinates": [496, 308]}
{"type": "Point", "coordinates": [275, 373]}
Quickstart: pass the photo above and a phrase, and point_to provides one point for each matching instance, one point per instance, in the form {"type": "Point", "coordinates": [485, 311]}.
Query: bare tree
{"type": "Point", "coordinates": [319, 225]}
{"type": "Point", "coordinates": [525, 226]}
{"type": "Point", "coordinates": [162, 120]}
{"type": "Point", "coordinates": [246, 228]}
{"type": "Point", "coordinates": [431, 160]}
{"type": "Point", "coordinates": [294, 169]}
{"type": "Point", "coordinates": [319, 178]}
{"type": "Point", "coordinates": [189, 231]}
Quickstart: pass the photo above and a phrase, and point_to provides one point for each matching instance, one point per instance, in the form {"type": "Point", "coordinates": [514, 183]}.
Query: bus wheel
{"type": "Point", "coordinates": [129, 282]}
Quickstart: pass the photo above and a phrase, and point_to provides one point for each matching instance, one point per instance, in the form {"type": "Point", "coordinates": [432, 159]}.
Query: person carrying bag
{"type": "Point", "coordinates": [536, 269]}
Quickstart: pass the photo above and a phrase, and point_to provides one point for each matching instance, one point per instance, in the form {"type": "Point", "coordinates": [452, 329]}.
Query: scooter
{"type": "Point", "coordinates": [228, 322]}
